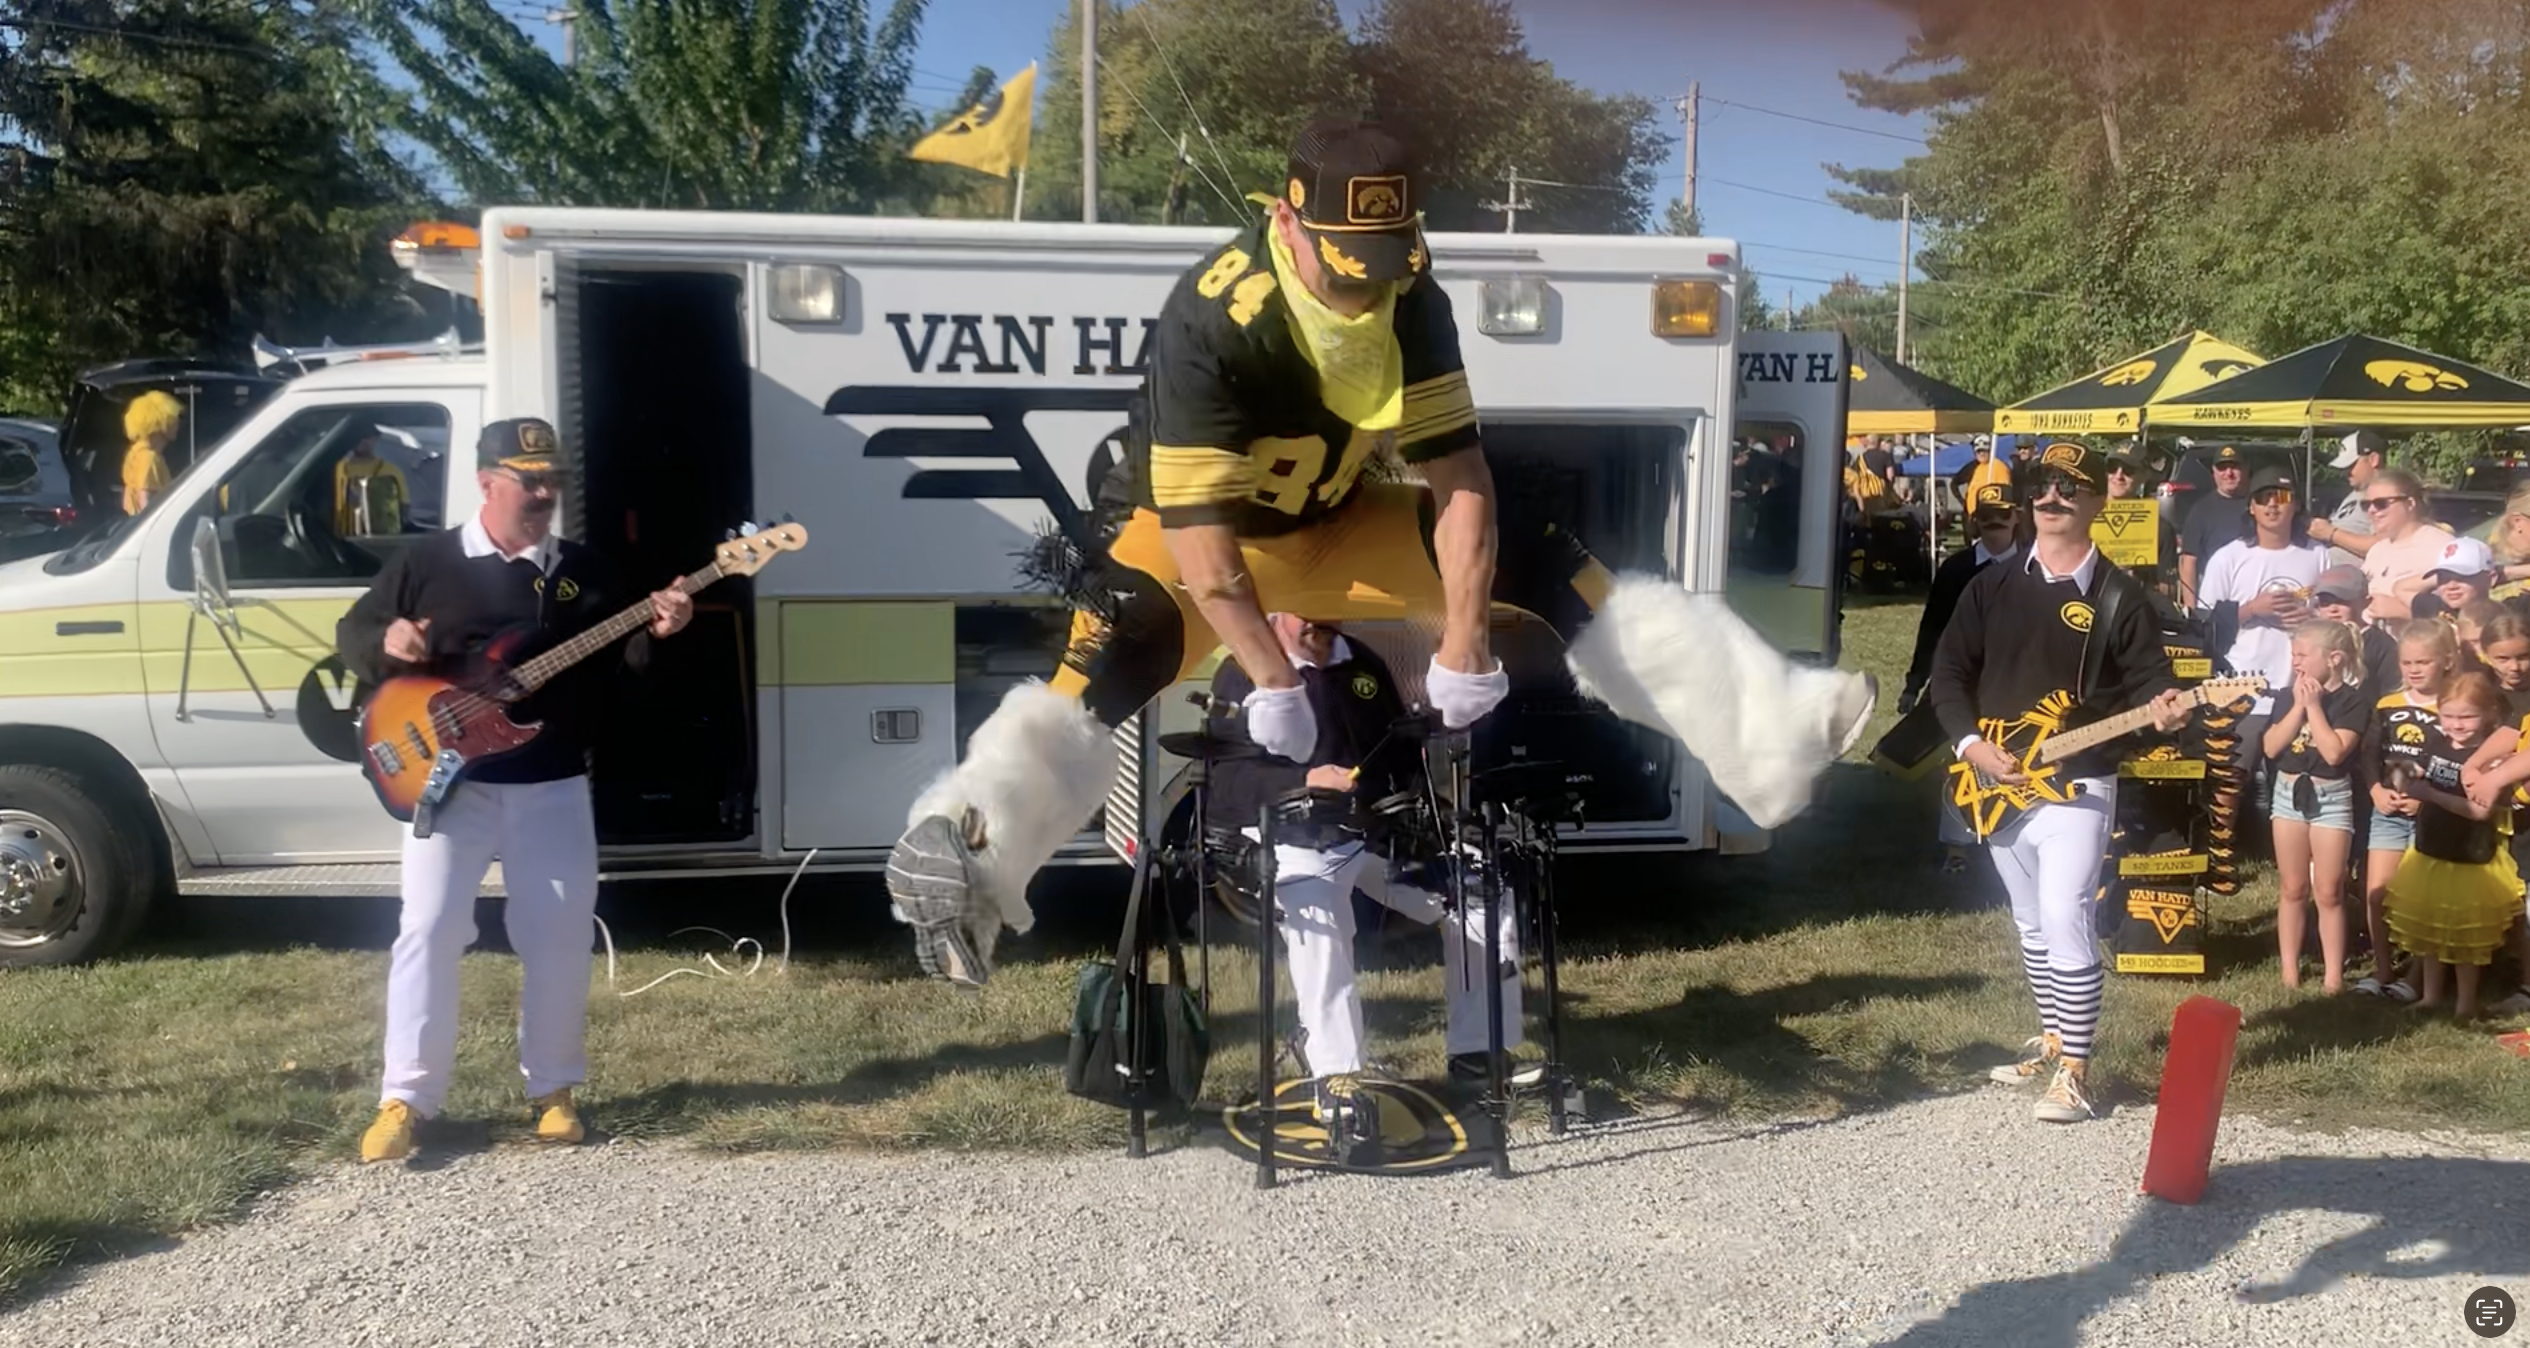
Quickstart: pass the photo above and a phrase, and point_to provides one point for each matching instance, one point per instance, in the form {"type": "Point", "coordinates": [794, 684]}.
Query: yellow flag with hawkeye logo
{"type": "Point", "coordinates": [992, 136]}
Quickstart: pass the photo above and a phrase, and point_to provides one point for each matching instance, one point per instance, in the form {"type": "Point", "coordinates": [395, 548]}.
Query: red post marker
{"type": "Point", "coordinates": [2193, 1078]}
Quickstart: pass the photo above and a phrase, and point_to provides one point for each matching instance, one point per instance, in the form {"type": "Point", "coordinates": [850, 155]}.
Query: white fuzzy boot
{"type": "Point", "coordinates": [1035, 773]}
{"type": "Point", "coordinates": [1687, 666]}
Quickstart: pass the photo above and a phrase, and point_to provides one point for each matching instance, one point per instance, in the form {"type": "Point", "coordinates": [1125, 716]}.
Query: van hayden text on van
{"type": "Point", "coordinates": [1016, 343]}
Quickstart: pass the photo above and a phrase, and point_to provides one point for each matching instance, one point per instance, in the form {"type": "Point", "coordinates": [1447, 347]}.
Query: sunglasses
{"type": "Point", "coordinates": [2377, 504]}
{"type": "Point", "coordinates": [2272, 496]}
{"type": "Point", "coordinates": [536, 482]}
{"type": "Point", "coordinates": [2058, 484]}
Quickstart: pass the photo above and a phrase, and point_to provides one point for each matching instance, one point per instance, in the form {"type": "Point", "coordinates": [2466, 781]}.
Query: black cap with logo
{"type": "Point", "coordinates": [1352, 185]}
{"type": "Point", "coordinates": [521, 445]}
{"type": "Point", "coordinates": [2269, 478]}
{"type": "Point", "coordinates": [2228, 457]}
{"type": "Point", "coordinates": [2075, 461]}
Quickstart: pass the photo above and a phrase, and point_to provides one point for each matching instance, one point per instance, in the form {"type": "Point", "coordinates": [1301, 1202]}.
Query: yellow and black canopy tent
{"type": "Point", "coordinates": [2111, 400]}
{"type": "Point", "coordinates": [2354, 381]}
{"type": "Point", "coordinates": [1886, 398]}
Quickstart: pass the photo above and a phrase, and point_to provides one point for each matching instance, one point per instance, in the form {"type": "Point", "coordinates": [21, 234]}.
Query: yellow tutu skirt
{"type": "Point", "coordinates": [2453, 911]}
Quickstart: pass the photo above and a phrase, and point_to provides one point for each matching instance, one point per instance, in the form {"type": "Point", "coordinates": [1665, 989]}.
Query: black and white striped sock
{"type": "Point", "coordinates": [2078, 1003]}
{"type": "Point", "coordinates": [2042, 986]}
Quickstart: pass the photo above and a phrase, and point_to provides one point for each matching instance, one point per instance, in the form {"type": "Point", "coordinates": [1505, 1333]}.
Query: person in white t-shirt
{"type": "Point", "coordinates": [2403, 546]}
{"type": "Point", "coordinates": [2265, 580]}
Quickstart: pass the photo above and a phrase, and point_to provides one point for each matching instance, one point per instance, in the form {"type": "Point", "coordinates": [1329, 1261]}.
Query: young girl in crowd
{"type": "Point", "coordinates": [2469, 625]}
{"type": "Point", "coordinates": [2503, 646]}
{"type": "Point", "coordinates": [2456, 890]}
{"type": "Point", "coordinates": [2497, 773]}
{"type": "Point", "coordinates": [2402, 724]}
{"type": "Point", "coordinates": [2312, 742]}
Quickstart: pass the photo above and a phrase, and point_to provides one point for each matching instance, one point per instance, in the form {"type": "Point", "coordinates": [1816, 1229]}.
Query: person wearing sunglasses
{"type": "Point", "coordinates": [2256, 591]}
{"type": "Point", "coordinates": [1994, 522]}
{"type": "Point", "coordinates": [2403, 547]}
{"type": "Point", "coordinates": [2020, 636]}
{"type": "Point", "coordinates": [435, 607]}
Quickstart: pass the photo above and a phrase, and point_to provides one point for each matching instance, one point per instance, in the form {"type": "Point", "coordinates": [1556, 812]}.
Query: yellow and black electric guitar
{"type": "Point", "coordinates": [2042, 738]}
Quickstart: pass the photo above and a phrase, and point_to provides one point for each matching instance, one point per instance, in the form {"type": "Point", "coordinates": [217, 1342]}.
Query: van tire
{"type": "Point", "coordinates": [44, 811]}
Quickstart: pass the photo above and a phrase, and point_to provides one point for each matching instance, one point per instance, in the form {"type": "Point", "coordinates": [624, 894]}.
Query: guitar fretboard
{"type": "Point", "coordinates": [2068, 743]}
{"type": "Point", "coordinates": [533, 674]}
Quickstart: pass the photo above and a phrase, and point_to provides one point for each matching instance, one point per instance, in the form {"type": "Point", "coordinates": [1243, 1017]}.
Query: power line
{"type": "Point", "coordinates": [1771, 192]}
{"type": "Point", "coordinates": [1162, 127]}
{"type": "Point", "coordinates": [1818, 121]}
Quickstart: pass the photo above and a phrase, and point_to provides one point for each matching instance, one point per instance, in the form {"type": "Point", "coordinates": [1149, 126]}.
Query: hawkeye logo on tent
{"type": "Point", "coordinates": [2221, 367]}
{"type": "Point", "coordinates": [2132, 372]}
{"type": "Point", "coordinates": [2414, 376]}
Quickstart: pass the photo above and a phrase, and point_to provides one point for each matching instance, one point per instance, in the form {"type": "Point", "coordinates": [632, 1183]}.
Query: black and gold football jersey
{"type": "Point", "coordinates": [1238, 429]}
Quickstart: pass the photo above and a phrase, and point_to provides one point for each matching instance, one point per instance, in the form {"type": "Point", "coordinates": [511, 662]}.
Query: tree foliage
{"type": "Point", "coordinates": [2105, 174]}
{"type": "Point", "coordinates": [179, 175]}
{"type": "Point", "coordinates": [768, 105]}
{"type": "Point", "coordinates": [1237, 81]}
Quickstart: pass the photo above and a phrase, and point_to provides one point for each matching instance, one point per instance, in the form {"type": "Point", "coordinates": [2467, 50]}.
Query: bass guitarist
{"type": "Point", "coordinates": [2060, 619]}
{"type": "Point", "coordinates": [434, 607]}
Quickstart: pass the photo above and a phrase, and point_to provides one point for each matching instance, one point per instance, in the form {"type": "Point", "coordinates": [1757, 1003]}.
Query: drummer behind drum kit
{"type": "Point", "coordinates": [1507, 827]}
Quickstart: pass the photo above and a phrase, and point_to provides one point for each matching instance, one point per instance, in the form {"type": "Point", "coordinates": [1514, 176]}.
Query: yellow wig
{"type": "Point", "coordinates": [152, 413]}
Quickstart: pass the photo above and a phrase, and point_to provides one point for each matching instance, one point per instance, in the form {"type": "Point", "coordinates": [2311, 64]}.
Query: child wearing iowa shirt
{"type": "Point", "coordinates": [2402, 724]}
{"type": "Point", "coordinates": [2455, 892]}
{"type": "Point", "coordinates": [2313, 740]}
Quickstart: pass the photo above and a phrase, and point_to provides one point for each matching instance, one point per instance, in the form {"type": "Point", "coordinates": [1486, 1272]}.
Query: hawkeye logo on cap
{"type": "Point", "coordinates": [2062, 455]}
{"type": "Point", "coordinates": [1376, 201]}
{"type": "Point", "coordinates": [536, 438]}
{"type": "Point", "coordinates": [2076, 615]}
{"type": "Point", "coordinates": [1299, 194]}
{"type": "Point", "coordinates": [2414, 376]}
{"type": "Point", "coordinates": [1989, 495]}
{"type": "Point", "coordinates": [2132, 372]}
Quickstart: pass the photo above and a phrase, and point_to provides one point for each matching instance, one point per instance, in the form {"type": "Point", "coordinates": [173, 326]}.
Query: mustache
{"type": "Point", "coordinates": [2052, 508]}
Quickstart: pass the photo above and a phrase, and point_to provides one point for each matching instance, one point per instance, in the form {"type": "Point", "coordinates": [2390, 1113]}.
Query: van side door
{"type": "Point", "coordinates": [251, 707]}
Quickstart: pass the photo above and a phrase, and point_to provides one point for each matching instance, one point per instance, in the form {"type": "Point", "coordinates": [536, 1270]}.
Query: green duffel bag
{"type": "Point", "coordinates": [1176, 1043]}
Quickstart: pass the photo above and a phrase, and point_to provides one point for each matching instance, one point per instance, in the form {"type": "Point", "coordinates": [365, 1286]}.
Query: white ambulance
{"type": "Point", "coordinates": [927, 397]}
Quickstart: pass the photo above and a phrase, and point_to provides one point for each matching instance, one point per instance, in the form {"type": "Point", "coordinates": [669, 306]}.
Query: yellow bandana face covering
{"type": "Point", "coordinates": [1361, 370]}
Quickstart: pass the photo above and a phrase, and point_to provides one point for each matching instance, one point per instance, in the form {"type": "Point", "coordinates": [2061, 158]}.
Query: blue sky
{"type": "Point", "coordinates": [1754, 54]}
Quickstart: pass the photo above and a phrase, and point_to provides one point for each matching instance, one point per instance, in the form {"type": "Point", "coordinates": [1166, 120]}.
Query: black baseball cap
{"type": "Point", "coordinates": [2074, 460]}
{"type": "Point", "coordinates": [2269, 477]}
{"type": "Point", "coordinates": [2228, 457]}
{"type": "Point", "coordinates": [521, 445]}
{"type": "Point", "coordinates": [1353, 186]}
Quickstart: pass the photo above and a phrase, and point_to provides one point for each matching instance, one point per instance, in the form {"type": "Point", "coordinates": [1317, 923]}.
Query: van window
{"type": "Point", "coordinates": [1766, 468]}
{"type": "Point", "coordinates": [327, 498]}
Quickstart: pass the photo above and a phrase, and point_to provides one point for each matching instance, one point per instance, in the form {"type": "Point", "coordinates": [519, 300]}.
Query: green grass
{"type": "Point", "coordinates": [1838, 973]}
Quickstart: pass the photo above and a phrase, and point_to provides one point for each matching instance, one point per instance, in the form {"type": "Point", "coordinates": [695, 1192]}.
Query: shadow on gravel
{"type": "Point", "coordinates": [2428, 1218]}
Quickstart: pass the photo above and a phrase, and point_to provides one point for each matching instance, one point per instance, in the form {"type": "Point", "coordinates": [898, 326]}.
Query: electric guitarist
{"type": "Point", "coordinates": [2025, 631]}
{"type": "Point", "coordinates": [434, 607]}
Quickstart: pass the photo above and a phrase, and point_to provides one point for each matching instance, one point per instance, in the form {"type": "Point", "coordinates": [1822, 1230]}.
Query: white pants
{"type": "Point", "coordinates": [2049, 859]}
{"type": "Point", "coordinates": [545, 838]}
{"type": "Point", "coordinates": [1314, 893]}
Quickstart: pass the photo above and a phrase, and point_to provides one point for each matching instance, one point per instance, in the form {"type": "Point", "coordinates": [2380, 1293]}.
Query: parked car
{"type": "Point", "coordinates": [35, 499]}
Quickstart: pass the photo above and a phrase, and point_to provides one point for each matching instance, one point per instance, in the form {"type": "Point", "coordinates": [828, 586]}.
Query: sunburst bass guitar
{"type": "Point", "coordinates": [2042, 738]}
{"type": "Point", "coordinates": [420, 734]}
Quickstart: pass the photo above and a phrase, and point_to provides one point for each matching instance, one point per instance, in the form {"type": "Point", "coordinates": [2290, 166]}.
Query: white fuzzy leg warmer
{"type": "Point", "coordinates": [1686, 665]}
{"type": "Point", "coordinates": [1035, 773]}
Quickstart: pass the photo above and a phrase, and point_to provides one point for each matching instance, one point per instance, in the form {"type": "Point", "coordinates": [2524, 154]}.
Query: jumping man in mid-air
{"type": "Point", "coordinates": [1283, 363]}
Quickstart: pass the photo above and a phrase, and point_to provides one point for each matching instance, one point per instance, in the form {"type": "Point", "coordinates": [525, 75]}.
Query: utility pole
{"type": "Point", "coordinates": [1509, 210]}
{"type": "Point", "coordinates": [1089, 111]}
{"type": "Point", "coordinates": [1690, 107]}
{"type": "Point", "coordinates": [1906, 264]}
{"type": "Point", "coordinates": [566, 18]}
{"type": "Point", "coordinates": [1176, 202]}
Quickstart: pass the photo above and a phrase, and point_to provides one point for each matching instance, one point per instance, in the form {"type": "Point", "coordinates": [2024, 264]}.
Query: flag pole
{"type": "Point", "coordinates": [1019, 194]}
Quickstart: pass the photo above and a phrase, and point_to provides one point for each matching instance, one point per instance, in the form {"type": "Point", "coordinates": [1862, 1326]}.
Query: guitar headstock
{"type": "Point", "coordinates": [2229, 689]}
{"type": "Point", "coordinates": [746, 554]}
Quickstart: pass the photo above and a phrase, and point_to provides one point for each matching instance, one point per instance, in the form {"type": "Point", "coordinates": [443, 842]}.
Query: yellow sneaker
{"type": "Point", "coordinates": [2068, 1097]}
{"type": "Point", "coordinates": [557, 1119]}
{"type": "Point", "coordinates": [2038, 1058]}
{"type": "Point", "coordinates": [390, 1137]}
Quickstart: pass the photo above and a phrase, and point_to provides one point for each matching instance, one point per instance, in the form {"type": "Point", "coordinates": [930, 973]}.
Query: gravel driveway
{"type": "Point", "coordinates": [1953, 1221]}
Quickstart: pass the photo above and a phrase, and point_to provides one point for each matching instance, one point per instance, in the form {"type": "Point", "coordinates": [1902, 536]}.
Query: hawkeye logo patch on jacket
{"type": "Point", "coordinates": [2076, 615]}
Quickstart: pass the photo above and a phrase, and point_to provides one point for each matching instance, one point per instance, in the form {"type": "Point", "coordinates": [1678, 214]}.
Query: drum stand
{"type": "Point", "coordinates": [1155, 866]}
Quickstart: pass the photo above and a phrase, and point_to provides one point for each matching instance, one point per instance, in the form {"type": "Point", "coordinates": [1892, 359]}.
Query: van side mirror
{"type": "Point", "coordinates": [210, 570]}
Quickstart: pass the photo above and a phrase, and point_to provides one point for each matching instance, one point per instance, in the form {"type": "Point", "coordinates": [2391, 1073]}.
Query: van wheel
{"type": "Point", "coordinates": [72, 886]}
